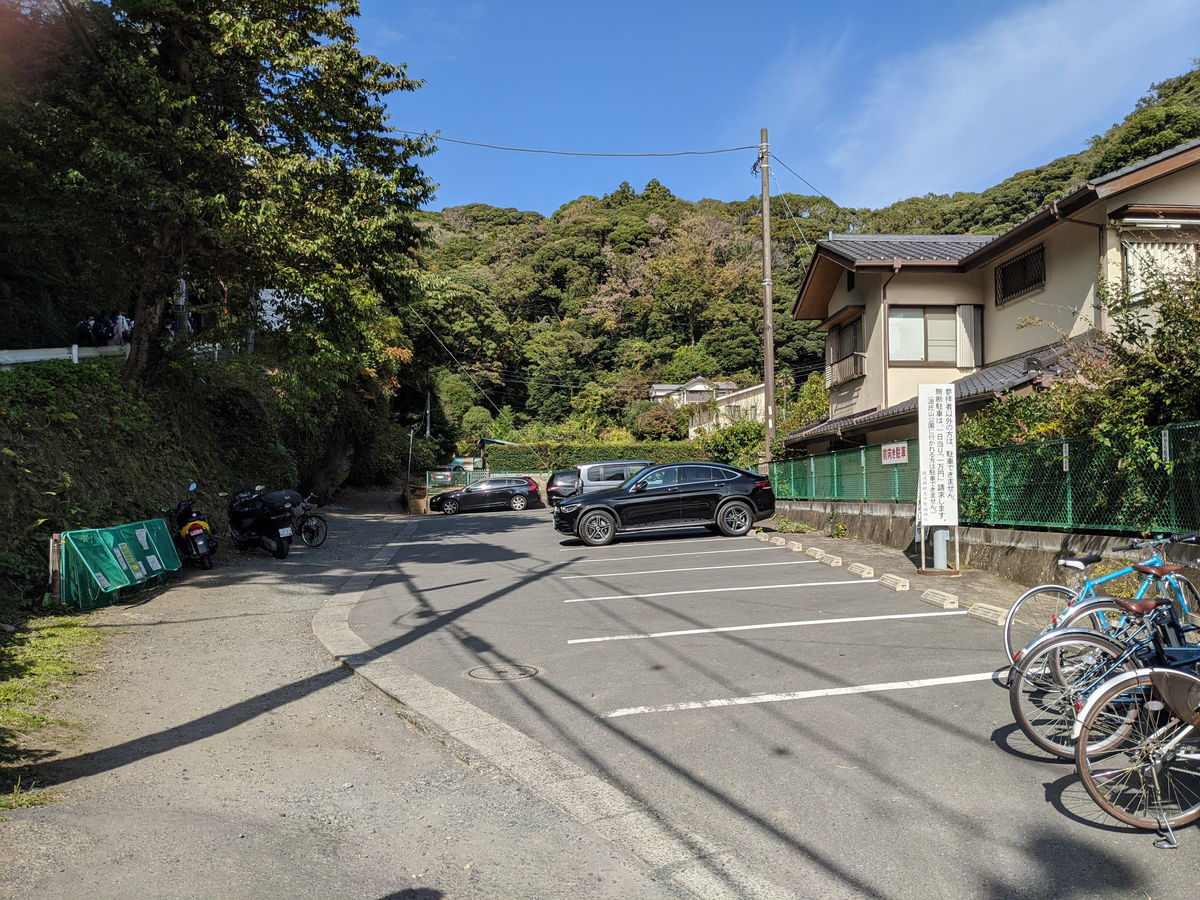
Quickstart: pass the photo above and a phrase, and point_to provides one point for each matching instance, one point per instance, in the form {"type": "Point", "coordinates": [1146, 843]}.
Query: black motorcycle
{"type": "Point", "coordinates": [261, 518]}
{"type": "Point", "coordinates": [193, 535]}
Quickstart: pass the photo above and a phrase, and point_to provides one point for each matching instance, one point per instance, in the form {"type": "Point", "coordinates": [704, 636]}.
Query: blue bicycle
{"type": "Point", "coordinates": [1042, 608]}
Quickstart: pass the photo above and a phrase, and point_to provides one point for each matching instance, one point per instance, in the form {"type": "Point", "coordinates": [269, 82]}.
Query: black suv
{"type": "Point", "coordinates": [677, 495]}
{"type": "Point", "coordinates": [560, 485]}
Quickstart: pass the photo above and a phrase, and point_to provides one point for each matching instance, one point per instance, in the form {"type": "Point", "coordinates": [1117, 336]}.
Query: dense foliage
{"type": "Point", "coordinates": [552, 455]}
{"type": "Point", "coordinates": [565, 321]}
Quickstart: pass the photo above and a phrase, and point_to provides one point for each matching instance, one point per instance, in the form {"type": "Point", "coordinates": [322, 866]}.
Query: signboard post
{"type": "Point", "coordinates": [937, 500]}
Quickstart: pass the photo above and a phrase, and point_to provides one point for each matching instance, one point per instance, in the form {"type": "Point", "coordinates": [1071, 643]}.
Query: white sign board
{"type": "Point", "coordinates": [938, 501]}
{"type": "Point", "coordinates": [895, 453]}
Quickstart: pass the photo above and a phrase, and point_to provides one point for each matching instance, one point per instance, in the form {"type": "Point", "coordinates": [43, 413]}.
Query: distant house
{"type": "Point", "coordinates": [989, 313]}
{"type": "Point", "coordinates": [745, 405]}
{"type": "Point", "coordinates": [698, 390]}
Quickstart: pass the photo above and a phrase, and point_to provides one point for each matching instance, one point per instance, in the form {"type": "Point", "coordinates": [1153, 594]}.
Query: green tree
{"type": "Point", "coordinates": [661, 422]}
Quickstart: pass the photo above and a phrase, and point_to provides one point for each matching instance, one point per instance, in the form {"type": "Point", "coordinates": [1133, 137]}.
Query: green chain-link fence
{"type": "Point", "coordinates": [1069, 484]}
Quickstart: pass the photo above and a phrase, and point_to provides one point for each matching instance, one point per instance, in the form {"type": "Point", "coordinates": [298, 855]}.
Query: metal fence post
{"type": "Point", "coordinates": [1066, 466]}
{"type": "Point", "coordinates": [991, 487]}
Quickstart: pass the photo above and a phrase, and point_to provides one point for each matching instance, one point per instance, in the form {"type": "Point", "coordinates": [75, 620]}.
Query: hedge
{"type": "Point", "coordinates": [548, 456]}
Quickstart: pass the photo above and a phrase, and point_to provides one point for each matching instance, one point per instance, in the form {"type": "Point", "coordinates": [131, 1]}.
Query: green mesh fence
{"type": "Point", "coordinates": [95, 564]}
{"type": "Point", "coordinates": [1070, 484]}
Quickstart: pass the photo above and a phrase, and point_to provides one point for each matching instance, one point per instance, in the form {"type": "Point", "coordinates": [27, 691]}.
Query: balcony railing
{"type": "Point", "coordinates": [848, 368]}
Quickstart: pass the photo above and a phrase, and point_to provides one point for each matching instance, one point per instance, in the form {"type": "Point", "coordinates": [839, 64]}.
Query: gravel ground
{"type": "Point", "coordinates": [221, 753]}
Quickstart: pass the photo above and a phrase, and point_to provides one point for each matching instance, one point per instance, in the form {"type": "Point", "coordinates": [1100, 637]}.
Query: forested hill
{"type": "Point", "coordinates": [566, 320]}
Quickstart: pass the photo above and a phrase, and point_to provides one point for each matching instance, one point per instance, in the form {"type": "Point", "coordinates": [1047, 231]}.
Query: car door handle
{"type": "Point", "coordinates": [672, 490]}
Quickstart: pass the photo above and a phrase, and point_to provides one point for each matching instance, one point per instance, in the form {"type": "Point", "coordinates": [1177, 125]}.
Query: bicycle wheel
{"type": "Point", "coordinates": [1146, 770]}
{"type": "Point", "coordinates": [313, 530]}
{"type": "Point", "coordinates": [1033, 615]}
{"type": "Point", "coordinates": [1050, 685]}
{"type": "Point", "coordinates": [1187, 601]}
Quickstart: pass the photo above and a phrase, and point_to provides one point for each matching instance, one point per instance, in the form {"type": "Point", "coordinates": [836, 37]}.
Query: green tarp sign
{"type": "Point", "coordinates": [96, 563]}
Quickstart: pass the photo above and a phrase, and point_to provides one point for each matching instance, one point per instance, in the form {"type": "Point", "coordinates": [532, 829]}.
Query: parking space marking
{"type": "Point", "coordinates": [803, 695]}
{"type": "Point", "coordinates": [757, 587]}
{"type": "Point", "coordinates": [790, 562]}
{"type": "Point", "coordinates": [691, 540]}
{"type": "Point", "coordinates": [606, 559]}
{"type": "Point", "coordinates": [662, 634]}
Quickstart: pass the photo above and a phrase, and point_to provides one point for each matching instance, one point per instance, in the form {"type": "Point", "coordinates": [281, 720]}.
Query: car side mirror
{"type": "Point", "coordinates": [638, 488]}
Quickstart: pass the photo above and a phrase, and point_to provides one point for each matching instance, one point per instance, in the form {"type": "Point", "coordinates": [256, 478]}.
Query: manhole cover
{"type": "Point", "coordinates": [502, 673]}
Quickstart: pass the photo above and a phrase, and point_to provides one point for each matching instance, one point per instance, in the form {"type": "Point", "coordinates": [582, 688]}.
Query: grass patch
{"type": "Point", "coordinates": [35, 664]}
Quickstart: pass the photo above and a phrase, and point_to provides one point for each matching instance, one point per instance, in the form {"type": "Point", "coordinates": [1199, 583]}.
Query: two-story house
{"type": "Point", "coordinates": [695, 390]}
{"type": "Point", "coordinates": [744, 405]}
{"type": "Point", "coordinates": [988, 313]}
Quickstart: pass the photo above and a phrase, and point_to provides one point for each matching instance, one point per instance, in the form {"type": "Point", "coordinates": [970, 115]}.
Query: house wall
{"type": "Point", "coordinates": [1065, 307]}
{"type": "Point", "coordinates": [866, 392]}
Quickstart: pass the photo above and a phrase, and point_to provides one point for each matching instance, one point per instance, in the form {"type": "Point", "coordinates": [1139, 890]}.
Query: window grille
{"type": "Point", "coordinates": [1021, 275]}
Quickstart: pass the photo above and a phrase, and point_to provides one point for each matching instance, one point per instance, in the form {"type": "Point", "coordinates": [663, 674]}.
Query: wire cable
{"type": "Point", "coordinates": [788, 207]}
{"type": "Point", "coordinates": [438, 137]}
{"type": "Point", "coordinates": [820, 192]}
{"type": "Point", "coordinates": [461, 367]}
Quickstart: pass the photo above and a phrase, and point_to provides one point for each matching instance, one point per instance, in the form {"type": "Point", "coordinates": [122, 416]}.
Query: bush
{"type": "Point", "coordinates": [548, 456]}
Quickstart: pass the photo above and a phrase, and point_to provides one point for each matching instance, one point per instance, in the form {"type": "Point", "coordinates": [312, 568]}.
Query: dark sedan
{"type": "Point", "coordinates": [561, 485]}
{"type": "Point", "coordinates": [678, 495]}
{"type": "Point", "coordinates": [490, 493]}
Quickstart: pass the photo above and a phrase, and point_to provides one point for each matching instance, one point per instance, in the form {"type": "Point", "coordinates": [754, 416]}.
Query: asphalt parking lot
{"type": "Point", "coordinates": [839, 738]}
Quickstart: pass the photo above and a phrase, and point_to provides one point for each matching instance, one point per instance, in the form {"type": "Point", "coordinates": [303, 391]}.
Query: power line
{"type": "Point", "coordinates": [456, 362]}
{"type": "Point", "coordinates": [819, 192]}
{"type": "Point", "coordinates": [788, 207]}
{"type": "Point", "coordinates": [438, 137]}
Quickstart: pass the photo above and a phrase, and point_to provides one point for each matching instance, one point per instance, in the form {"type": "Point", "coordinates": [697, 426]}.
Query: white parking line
{"type": "Point", "coordinates": [757, 587]}
{"type": "Point", "coordinates": [693, 540]}
{"type": "Point", "coordinates": [790, 562]}
{"type": "Point", "coordinates": [661, 634]}
{"type": "Point", "coordinates": [607, 559]}
{"type": "Point", "coordinates": [803, 695]}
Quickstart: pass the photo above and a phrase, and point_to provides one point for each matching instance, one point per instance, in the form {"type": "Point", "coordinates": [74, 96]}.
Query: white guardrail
{"type": "Point", "coordinates": [10, 358]}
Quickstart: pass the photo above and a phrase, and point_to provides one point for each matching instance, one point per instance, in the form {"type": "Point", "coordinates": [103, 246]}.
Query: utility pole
{"type": "Point", "coordinates": [764, 166]}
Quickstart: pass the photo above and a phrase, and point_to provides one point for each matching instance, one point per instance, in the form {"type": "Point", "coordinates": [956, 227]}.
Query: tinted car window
{"type": "Point", "coordinates": [662, 477]}
{"type": "Point", "coordinates": [567, 477]}
{"type": "Point", "coordinates": [692, 474]}
{"type": "Point", "coordinates": [611, 473]}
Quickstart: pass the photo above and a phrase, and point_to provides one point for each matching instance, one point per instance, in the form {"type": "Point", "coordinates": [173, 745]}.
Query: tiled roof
{"type": "Point", "coordinates": [1148, 161]}
{"type": "Point", "coordinates": [875, 247]}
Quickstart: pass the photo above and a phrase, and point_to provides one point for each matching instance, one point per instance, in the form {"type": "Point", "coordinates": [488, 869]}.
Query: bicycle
{"type": "Point", "coordinates": [1061, 669]}
{"type": "Point", "coordinates": [1040, 608]}
{"type": "Point", "coordinates": [1138, 749]}
{"type": "Point", "coordinates": [310, 526]}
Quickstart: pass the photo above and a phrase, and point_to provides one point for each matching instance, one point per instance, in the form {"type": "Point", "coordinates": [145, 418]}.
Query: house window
{"type": "Point", "coordinates": [844, 354]}
{"type": "Point", "coordinates": [1148, 260]}
{"type": "Point", "coordinates": [923, 334]}
{"type": "Point", "coordinates": [1022, 275]}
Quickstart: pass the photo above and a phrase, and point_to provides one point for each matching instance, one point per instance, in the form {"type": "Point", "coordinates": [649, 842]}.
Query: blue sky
{"type": "Point", "coordinates": [870, 101]}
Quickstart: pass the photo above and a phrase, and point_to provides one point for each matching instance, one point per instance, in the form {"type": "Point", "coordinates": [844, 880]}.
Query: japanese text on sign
{"type": "Point", "coordinates": [894, 454]}
{"type": "Point", "coordinates": [939, 455]}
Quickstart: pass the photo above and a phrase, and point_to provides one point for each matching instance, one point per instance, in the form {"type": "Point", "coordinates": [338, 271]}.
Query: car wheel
{"type": "Point", "coordinates": [735, 518]}
{"type": "Point", "coordinates": [450, 507]}
{"type": "Point", "coordinates": [518, 502]}
{"type": "Point", "coordinates": [597, 528]}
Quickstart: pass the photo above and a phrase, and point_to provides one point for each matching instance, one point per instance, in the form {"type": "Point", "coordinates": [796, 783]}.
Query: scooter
{"type": "Point", "coordinates": [262, 518]}
{"type": "Point", "coordinates": [193, 535]}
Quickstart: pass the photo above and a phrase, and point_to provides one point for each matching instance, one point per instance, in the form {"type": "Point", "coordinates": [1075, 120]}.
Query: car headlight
{"type": "Point", "coordinates": [568, 507]}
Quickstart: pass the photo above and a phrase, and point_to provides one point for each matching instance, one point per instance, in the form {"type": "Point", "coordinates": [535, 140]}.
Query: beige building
{"type": "Point", "coordinates": [986, 312]}
{"type": "Point", "coordinates": [746, 405]}
{"type": "Point", "coordinates": [697, 390]}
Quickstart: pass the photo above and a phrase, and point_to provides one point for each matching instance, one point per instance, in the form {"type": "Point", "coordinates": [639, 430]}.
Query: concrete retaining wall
{"type": "Point", "coordinates": [1026, 557]}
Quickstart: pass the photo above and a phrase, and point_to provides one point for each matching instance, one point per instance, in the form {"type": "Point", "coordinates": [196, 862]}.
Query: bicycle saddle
{"type": "Point", "coordinates": [1141, 607]}
{"type": "Point", "coordinates": [1157, 571]}
{"type": "Point", "coordinates": [1079, 562]}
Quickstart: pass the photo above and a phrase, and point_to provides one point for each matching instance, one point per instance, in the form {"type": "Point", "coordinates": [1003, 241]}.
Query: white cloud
{"type": "Point", "coordinates": [1024, 88]}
